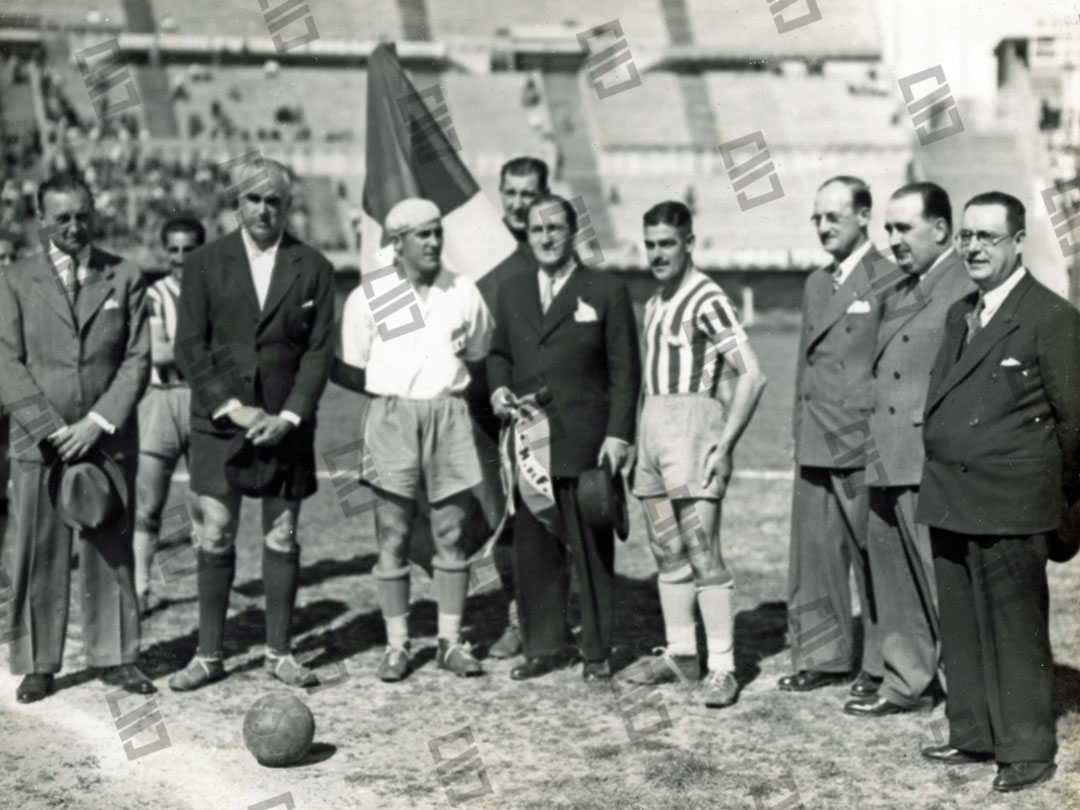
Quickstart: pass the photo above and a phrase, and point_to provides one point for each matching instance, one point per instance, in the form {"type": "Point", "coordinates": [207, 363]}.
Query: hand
{"type": "Point", "coordinates": [503, 402]}
{"type": "Point", "coordinates": [617, 453]}
{"type": "Point", "coordinates": [268, 430]}
{"type": "Point", "coordinates": [73, 442]}
{"type": "Point", "coordinates": [246, 416]}
{"type": "Point", "coordinates": [718, 465]}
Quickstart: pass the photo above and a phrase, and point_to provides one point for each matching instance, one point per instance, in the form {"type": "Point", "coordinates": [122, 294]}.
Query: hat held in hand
{"type": "Point", "coordinates": [602, 501]}
{"type": "Point", "coordinates": [90, 493]}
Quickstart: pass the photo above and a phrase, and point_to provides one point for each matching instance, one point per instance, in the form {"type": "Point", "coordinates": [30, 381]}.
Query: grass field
{"type": "Point", "coordinates": [550, 743]}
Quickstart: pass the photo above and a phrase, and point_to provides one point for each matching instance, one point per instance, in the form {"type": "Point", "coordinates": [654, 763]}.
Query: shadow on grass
{"type": "Point", "coordinates": [317, 573]}
{"type": "Point", "coordinates": [1066, 697]}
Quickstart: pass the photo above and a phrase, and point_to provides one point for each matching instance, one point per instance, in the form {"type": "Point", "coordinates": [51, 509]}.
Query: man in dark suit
{"type": "Point", "coordinates": [74, 361]}
{"type": "Point", "coordinates": [565, 334]}
{"type": "Point", "coordinates": [1002, 435]}
{"type": "Point", "coordinates": [254, 340]}
{"type": "Point", "coordinates": [918, 220]}
{"type": "Point", "coordinates": [841, 315]}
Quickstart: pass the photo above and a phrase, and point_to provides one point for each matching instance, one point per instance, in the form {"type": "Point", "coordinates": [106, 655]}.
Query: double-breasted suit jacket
{"type": "Point", "coordinates": [276, 357]}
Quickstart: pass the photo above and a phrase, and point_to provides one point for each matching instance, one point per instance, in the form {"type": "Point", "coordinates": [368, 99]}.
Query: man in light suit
{"type": "Point", "coordinates": [1002, 435]}
{"type": "Point", "coordinates": [918, 220]}
{"type": "Point", "coordinates": [841, 315]}
{"type": "Point", "coordinates": [254, 339]}
{"type": "Point", "coordinates": [74, 361]}
{"type": "Point", "coordinates": [567, 330]}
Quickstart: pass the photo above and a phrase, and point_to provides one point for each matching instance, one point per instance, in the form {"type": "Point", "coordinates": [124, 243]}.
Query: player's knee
{"type": "Point", "coordinates": [393, 544]}
{"type": "Point", "coordinates": [716, 577]}
{"type": "Point", "coordinates": [282, 534]}
{"type": "Point", "coordinates": [217, 537]}
{"type": "Point", "coordinates": [447, 535]}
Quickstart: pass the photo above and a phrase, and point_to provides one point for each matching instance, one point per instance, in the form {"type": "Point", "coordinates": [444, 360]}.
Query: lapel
{"type": "Point", "coordinates": [564, 304]}
{"type": "Point", "coordinates": [95, 290]}
{"type": "Point", "coordinates": [47, 286]}
{"type": "Point", "coordinates": [282, 277]}
{"type": "Point", "coordinates": [1004, 322]}
{"type": "Point", "coordinates": [917, 298]}
{"type": "Point", "coordinates": [529, 307]}
{"type": "Point", "coordinates": [836, 304]}
{"type": "Point", "coordinates": [238, 271]}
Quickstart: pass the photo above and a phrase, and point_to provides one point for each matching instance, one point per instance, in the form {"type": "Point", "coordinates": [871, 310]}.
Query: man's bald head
{"type": "Point", "coordinates": [265, 190]}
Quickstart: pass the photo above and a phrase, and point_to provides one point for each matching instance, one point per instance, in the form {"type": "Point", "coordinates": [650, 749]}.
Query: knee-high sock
{"type": "Point", "coordinates": [677, 597]}
{"type": "Point", "coordinates": [393, 590]}
{"type": "Point", "coordinates": [281, 575]}
{"type": "Point", "coordinates": [451, 590]}
{"type": "Point", "coordinates": [716, 603]}
{"type": "Point", "coordinates": [216, 572]}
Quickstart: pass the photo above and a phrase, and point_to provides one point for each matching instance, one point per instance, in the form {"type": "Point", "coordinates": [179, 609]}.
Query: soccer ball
{"type": "Point", "coordinates": [278, 730]}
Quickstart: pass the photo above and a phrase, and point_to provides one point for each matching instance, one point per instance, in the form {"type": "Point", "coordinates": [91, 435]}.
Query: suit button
{"type": "Point", "coordinates": [963, 468]}
{"type": "Point", "coordinates": [904, 338]}
{"type": "Point", "coordinates": [810, 362]}
{"type": "Point", "coordinates": [973, 422]}
{"type": "Point", "coordinates": [892, 410]}
{"type": "Point", "coordinates": [873, 374]}
{"type": "Point", "coordinates": [847, 329]}
{"type": "Point", "coordinates": [896, 375]}
{"type": "Point", "coordinates": [994, 376]}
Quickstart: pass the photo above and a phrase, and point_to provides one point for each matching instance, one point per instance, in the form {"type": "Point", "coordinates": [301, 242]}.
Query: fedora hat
{"type": "Point", "coordinates": [1064, 543]}
{"type": "Point", "coordinates": [89, 493]}
{"type": "Point", "coordinates": [252, 471]}
{"type": "Point", "coordinates": [602, 501]}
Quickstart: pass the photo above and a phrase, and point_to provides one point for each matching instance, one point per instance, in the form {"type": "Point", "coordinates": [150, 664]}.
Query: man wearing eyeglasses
{"type": "Point", "coordinates": [1002, 436]}
{"type": "Point", "coordinates": [165, 409]}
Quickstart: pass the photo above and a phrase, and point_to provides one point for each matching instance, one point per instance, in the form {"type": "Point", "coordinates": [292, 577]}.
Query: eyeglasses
{"type": "Point", "coordinates": [986, 238]}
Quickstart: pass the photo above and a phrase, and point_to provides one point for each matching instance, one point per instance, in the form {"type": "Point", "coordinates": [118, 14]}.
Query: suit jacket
{"type": "Point", "coordinates": [278, 357]}
{"type": "Point", "coordinates": [1002, 429]}
{"type": "Point", "coordinates": [833, 398]}
{"type": "Point", "coordinates": [57, 365]}
{"type": "Point", "coordinates": [907, 343]}
{"type": "Point", "coordinates": [592, 368]}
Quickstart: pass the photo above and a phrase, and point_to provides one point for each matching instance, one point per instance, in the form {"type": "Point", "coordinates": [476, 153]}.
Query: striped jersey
{"type": "Point", "coordinates": [163, 297]}
{"type": "Point", "coordinates": [686, 338]}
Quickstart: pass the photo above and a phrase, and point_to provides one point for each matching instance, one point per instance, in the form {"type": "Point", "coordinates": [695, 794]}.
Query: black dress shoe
{"type": "Point", "coordinates": [536, 666]}
{"type": "Point", "coordinates": [947, 755]}
{"type": "Point", "coordinates": [806, 680]}
{"type": "Point", "coordinates": [596, 671]}
{"type": "Point", "coordinates": [34, 687]}
{"type": "Point", "coordinates": [129, 678]}
{"type": "Point", "coordinates": [875, 706]}
{"type": "Point", "coordinates": [865, 685]}
{"type": "Point", "coordinates": [1020, 775]}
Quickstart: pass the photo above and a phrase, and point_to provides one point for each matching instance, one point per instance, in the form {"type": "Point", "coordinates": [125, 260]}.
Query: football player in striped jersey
{"type": "Point", "coordinates": [165, 409]}
{"type": "Point", "coordinates": [702, 382]}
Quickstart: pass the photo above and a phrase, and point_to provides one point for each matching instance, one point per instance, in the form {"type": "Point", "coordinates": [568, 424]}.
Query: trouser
{"type": "Point", "coordinates": [828, 535]}
{"type": "Point", "coordinates": [541, 578]}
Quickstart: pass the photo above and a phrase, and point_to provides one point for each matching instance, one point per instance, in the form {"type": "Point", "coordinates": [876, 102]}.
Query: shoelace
{"type": "Point", "coordinates": [464, 646]}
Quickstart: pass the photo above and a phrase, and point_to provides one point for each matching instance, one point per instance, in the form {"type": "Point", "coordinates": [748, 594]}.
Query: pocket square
{"type": "Point", "coordinates": [111, 304]}
{"type": "Point", "coordinates": [1010, 362]}
{"type": "Point", "coordinates": [860, 307]}
{"type": "Point", "coordinates": [585, 313]}
{"type": "Point", "coordinates": [308, 304]}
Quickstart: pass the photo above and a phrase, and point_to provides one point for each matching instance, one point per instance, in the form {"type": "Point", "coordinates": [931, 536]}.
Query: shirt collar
{"type": "Point", "coordinates": [993, 300]}
{"type": "Point", "coordinates": [254, 251]}
{"type": "Point", "coordinates": [843, 270]}
{"type": "Point", "coordinates": [563, 271]}
{"type": "Point", "coordinates": [58, 259]}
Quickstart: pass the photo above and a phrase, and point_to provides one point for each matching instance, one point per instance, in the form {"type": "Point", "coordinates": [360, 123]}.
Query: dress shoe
{"type": "Point", "coordinates": [508, 645]}
{"type": "Point", "coordinates": [865, 685]}
{"type": "Point", "coordinates": [536, 666]}
{"type": "Point", "coordinates": [34, 687]}
{"type": "Point", "coordinates": [947, 755]}
{"type": "Point", "coordinates": [875, 706]}
{"type": "Point", "coordinates": [129, 678]}
{"type": "Point", "coordinates": [1020, 775]}
{"type": "Point", "coordinates": [806, 680]}
{"type": "Point", "coordinates": [595, 671]}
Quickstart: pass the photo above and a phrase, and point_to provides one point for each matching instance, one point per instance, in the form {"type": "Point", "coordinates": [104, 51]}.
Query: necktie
{"type": "Point", "coordinates": [71, 283]}
{"type": "Point", "coordinates": [974, 319]}
{"type": "Point", "coordinates": [547, 287]}
{"type": "Point", "coordinates": [835, 273]}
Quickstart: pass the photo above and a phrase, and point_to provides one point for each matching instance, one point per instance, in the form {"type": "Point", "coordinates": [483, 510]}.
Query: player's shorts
{"type": "Point", "coordinates": [165, 421]}
{"type": "Point", "coordinates": [674, 437]}
{"type": "Point", "coordinates": [421, 442]}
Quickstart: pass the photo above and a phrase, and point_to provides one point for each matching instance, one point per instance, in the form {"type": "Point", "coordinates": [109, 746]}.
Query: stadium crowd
{"type": "Point", "coordinates": [937, 435]}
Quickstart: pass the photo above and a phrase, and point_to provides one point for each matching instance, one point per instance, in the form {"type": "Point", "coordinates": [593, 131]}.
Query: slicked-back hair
{"type": "Point", "coordinates": [62, 184]}
{"type": "Point", "coordinates": [187, 223]}
{"type": "Point", "coordinates": [935, 200]}
{"type": "Point", "coordinates": [524, 166]}
{"type": "Point", "coordinates": [670, 212]}
{"type": "Point", "coordinates": [548, 200]}
{"type": "Point", "coordinates": [860, 192]}
{"type": "Point", "coordinates": [1015, 213]}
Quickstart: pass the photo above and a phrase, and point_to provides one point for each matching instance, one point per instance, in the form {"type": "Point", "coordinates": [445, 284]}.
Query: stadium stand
{"type": "Point", "coordinates": [355, 20]}
{"type": "Point", "coordinates": [56, 14]}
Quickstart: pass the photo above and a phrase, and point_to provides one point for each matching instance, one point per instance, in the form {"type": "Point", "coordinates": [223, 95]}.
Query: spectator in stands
{"type": "Point", "coordinates": [165, 409]}
{"type": "Point", "coordinates": [694, 347]}
{"type": "Point", "coordinates": [829, 508]}
{"type": "Point", "coordinates": [254, 339]}
{"type": "Point", "coordinates": [74, 361]}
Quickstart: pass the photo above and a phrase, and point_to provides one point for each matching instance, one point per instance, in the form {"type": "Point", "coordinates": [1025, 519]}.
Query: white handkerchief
{"type": "Point", "coordinates": [111, 304]}
{"type": "Point", "coordinates": [1010, 361]}
{"type": "Point", "coordinates": [860, 307]}
{"type": "Point", "coordinates": [308, 304]}
{"type": "Point", "coordinates": [585, 313]}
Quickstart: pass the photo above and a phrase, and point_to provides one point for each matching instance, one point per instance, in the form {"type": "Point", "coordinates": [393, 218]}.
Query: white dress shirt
{"type": "Point", "coordinates": [845, 268]}
{"type": "Point", "coordinates": [557, 280]}
{"type": "Point", "coordinates": [261, 263]}
{"type": "Point", "coordinates": [993, 300]}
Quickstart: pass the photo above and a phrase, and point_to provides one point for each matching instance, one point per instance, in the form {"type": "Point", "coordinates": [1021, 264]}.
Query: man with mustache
{"type": "Point", "coordinates": [415, 361]}
{"type": "Point", "coordinates": [918, 220]}
{"type": "Point", "coordinates": [841, 315]}
{"type": "Point", "coordinates": [1002, 435]}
